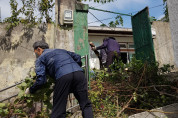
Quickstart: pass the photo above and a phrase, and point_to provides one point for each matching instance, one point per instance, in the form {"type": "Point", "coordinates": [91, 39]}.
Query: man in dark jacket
{"type": "Point", "coordinates": [65, 68]}
{"type": "Point", "coordinates": [113, 49]}
{"type": "Point", "coordinates": [103, 55]}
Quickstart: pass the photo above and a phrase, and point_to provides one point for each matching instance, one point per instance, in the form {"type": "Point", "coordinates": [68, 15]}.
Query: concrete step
{"type": "Point", "coordinates": [169, 111]}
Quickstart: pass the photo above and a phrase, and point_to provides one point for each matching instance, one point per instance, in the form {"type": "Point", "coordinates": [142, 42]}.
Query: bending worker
{"type": "Point", "coordinates": [113, 50]}
{"type": "Point", "coordinates": [65, 68]}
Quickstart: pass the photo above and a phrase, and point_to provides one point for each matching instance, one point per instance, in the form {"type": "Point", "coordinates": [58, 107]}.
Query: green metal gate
{"type": "Point", "coordinates": [81, 34]}
{"type": "Point", "coordinates": [142, 35]}
{"type": "Point", "coordinates": [81, 29]}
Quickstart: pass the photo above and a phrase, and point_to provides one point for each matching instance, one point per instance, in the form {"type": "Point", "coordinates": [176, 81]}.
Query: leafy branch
{"type": "Point", "coordinates": [118, 21]}
{"type": "Point", "coordinates": [166, 18]}
{"type": "Point", "coordinates": [23, 105]}
{"type": "Point", "coordinates": [43, 7]}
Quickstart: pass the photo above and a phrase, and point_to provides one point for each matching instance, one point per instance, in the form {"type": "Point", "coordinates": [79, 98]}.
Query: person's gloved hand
{"type": "Point", "coordinates": [27, 91]}
{"type": "Point", "coordinates": [93, 48]}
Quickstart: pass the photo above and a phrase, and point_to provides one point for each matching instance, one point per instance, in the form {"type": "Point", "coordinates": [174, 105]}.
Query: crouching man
{"type": "Point", "coordinates": [65, 68]}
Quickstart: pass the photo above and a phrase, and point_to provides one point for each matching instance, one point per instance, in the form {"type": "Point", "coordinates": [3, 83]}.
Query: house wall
{"type": "Point", "coordinates": [163, 45]}
{"type": "Point", "coordinates": [16, 52]}
{"type": "Point", "coordinates": [173, 19]}
{"type": "Point", "coordinates": [17, 57]}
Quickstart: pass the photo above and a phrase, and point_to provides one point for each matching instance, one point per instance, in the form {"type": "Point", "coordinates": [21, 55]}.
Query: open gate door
{"type": "Point", "coordinates": [142, 35]}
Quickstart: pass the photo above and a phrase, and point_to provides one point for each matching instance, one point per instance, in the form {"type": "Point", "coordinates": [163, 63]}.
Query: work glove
{"type": "Point", "coordinates": [27, 91]}
{"type": "Point", "coordinates": [126, 69]}
{"type": "Point", "coordinates": [93, 48]}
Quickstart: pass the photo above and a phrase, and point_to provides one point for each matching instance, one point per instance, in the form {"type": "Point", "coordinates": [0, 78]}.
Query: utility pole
{"type": "Point", "coordinates": [64, 35]}
{"type": "Point", "coordinates": [173, 19]}
{"type": "Point", "coordinates": [56, 11]}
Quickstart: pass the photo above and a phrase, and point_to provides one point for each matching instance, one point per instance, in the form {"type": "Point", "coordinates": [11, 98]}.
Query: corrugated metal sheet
{"type": "Point", "coordinates": [142, 36]}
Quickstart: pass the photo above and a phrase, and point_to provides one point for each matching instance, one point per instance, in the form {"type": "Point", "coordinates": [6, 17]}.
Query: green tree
{"type": "Point", "coordinates": [103, 25]}
{"type": "Point", "coordinates": [14, 19]}
{"type": "Point", "coordinates": [152, 18]}
{"type": "Point", "coordinates": [43, 7]}
{"type": "Point", "coordinates": [118, 21]}
{"type": "Point", "coordinates": [166, 18]}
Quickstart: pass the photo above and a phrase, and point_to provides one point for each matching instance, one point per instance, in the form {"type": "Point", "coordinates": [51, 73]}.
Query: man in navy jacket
{"type": "Point", "coordinates": [65, 68]}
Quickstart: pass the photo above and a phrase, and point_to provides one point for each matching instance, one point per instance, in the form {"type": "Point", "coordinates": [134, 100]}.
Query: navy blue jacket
{"type": "Point", "coordinates": [56, 63]}
{"type": "Point", "coordinates": [110, 45]}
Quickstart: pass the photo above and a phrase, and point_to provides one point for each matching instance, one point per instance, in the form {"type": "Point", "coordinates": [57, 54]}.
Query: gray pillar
{"type": "Point", "coordinates": [173, 17]}
{"type": "Point", "coordinates": [64, 35]}
{"type": "Point", "coordinates": [56, 11]}
{"type": "Point", "coordinates": [0, 14]}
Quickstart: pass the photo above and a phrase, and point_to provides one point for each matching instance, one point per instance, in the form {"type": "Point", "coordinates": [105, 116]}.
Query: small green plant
{"type": "Point", "coordinates": [104, 102]}
{"type": "Point", "coordinates": [24, 103]}
{"type": "Point", "coordinates": [166, 68]}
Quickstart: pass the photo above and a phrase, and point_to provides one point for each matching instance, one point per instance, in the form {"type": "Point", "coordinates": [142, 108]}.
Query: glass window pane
{"type": "Point", "coordinates": [123, 46]}
{"type": "Point", "coordinates": [131, 46]}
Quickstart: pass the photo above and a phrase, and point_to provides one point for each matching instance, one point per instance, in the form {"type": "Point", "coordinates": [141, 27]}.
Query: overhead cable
{"type": "Point", "coordinates": [100, 20]}
{"type": "Point", "coordinates": [128, 13]}
{"type": "Point", "coordinates": [109, 11]}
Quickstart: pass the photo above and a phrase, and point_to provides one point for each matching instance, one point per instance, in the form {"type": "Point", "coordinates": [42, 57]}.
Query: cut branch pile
{"type": "Point", "coordinates": [141, 89]}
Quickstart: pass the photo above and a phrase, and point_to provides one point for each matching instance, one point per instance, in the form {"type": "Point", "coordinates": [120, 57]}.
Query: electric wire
{"type": "Point", "coordinates": [149, 8]}
{"type": "Point", "coordinates": [93, 8]}
{"type": "Point", "coordinates": [101, 20]}
{"type": "Point", "coordinates": [98, 20]}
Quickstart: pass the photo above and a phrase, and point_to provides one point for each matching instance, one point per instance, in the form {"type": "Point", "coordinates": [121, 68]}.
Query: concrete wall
{"type": "Point", "coordinates": [17, 57]}
{"type": "Point", "coordinates": [173, 19]}
{"type": "Point", "coordinates": [16, 52]}
{"type": "Point", "coordinates": [163, 45]}
{"type": "Point", "coordinates": [64, 35]}
{"type": "Point", "coordinates": [64, 39]}
{"type": "Point", "coordinates": [168, 111]}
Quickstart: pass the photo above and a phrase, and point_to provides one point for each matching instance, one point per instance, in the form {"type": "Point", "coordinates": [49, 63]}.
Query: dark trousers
{"type": "Point", "coordinates": [76, 83]}
{"type": "Point", "coordinates": [110, 58]}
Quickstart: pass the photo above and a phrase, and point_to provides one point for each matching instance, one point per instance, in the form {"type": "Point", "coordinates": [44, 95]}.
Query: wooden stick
{"type": "Point", "coordinates": [119, 113]}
